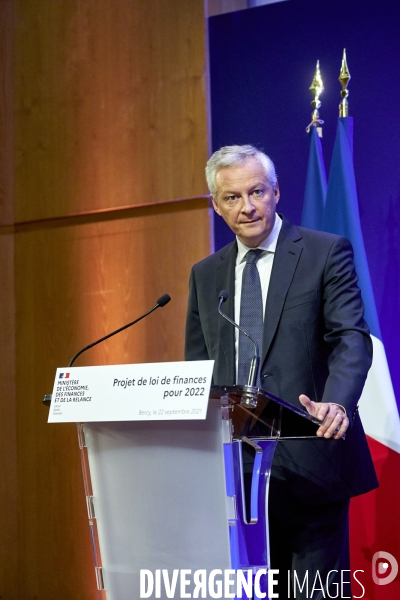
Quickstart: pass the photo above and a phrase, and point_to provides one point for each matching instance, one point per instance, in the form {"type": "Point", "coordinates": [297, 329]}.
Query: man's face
{"type": "Point", "coordinates": [246, 201]}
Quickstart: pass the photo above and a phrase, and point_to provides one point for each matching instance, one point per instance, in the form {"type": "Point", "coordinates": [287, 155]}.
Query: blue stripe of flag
{"type": "Point", "coordinates": [316, 186]}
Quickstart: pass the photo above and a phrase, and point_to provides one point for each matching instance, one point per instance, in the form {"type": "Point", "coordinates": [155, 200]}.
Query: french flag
{"type": "Point", "coordinates": [63, 376]}
{"type": "Point", "coordinates": [374, 517]}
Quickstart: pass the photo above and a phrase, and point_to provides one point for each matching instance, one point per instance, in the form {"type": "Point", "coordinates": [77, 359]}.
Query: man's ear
{"type": "Point", "coordinates": [277, 193]}
{"type": "Point", "coordinates": [215, 205]}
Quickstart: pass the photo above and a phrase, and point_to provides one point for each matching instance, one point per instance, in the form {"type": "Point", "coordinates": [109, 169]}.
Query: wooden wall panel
{"type": "Point", "coordinates": [8, 431]}
{"type": "Point", "coordinates": [110, 101]}
{"type": "Point", "coordinates": [103, 105]}
{"type": "Point", "coordinates": [82, 278]}
{"type": "Point", "coordinates": [77, 281]}
{"type": "Point", "coordinates": [6, 111]}
{"type": "Point", "coordinates": [8, 428]}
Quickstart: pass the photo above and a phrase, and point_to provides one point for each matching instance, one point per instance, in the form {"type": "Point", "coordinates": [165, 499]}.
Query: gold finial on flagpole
{"type": "Point", "coordinates": [344, 79]}
{"type": "Point", "coordinates": [316, 88]}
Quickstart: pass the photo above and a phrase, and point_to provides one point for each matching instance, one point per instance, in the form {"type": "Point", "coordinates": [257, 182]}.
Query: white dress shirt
{"type": "Point", "coordinates": [264, 266]}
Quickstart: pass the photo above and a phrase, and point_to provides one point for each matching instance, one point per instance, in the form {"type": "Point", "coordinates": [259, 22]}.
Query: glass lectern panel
{"type": "Point", "coordinates": [159, 498]}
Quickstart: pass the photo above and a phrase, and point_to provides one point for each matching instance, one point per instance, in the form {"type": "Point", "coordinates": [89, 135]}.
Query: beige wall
{"type": "Point", "coordinates": [103, 208]}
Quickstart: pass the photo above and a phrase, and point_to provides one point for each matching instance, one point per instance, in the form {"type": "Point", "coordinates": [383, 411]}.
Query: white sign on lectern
{"type": "Point", "coordinates": [143, 392]}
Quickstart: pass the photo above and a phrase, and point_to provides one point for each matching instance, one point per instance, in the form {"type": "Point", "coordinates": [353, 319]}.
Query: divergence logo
{"type": "Point", "coordinates": [381, 561]}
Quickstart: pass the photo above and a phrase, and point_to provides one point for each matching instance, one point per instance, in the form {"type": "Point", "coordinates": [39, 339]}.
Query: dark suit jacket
{"type": "Point", "coordinates": [315, 342]}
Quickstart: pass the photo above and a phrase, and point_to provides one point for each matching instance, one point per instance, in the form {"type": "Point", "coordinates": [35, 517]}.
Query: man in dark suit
{"type": "Point", "coordinates": [316, 352]}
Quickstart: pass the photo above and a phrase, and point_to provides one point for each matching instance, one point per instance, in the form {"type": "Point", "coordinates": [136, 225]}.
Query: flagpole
{"type": "Point", "coordinates": [316, 88]}
{"type": "Point", "coordinates": [315, 190]}
{"type": "Point", "coordinates": [344, 78]}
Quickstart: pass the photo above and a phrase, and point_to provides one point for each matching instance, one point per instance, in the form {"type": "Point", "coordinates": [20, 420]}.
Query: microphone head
{"type": "Point", "coordinates": [223, 295]}
{"type": "Point", "coordinates": [163, 300]}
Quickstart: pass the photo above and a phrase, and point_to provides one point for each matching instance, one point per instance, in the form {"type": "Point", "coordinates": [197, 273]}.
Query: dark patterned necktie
{"type": "Point", "coordinates": [251, 315]}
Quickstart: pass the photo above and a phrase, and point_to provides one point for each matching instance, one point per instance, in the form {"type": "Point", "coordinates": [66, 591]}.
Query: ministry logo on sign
{"type": "Point", "coordinates": [63, 376]}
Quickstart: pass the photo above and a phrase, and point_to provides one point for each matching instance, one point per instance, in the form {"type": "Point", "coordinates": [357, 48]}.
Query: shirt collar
{"type": "Point", "coordinates": [268, 245]}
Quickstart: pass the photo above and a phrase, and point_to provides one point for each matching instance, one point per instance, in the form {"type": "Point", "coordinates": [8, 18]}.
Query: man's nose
{"type": "Point", "coordinates": [247, 204]}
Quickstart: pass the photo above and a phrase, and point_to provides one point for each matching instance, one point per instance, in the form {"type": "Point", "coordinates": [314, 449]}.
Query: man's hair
{"type": "Point", "coordinates": [235, 156]}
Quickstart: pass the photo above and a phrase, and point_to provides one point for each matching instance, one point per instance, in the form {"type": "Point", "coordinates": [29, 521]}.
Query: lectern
{"type": "Point", "coordinates": [173, 510]}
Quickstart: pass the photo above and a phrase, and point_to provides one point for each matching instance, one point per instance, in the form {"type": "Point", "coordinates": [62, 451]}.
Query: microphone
{"type": "Point", "coordinates": [255, 361]}
{"type": "Point", "coordinates": [163, 301]}
{"type": "Point", "coordinates": [160, 303]}
{"type": "Point", "coordinates": [165, 298]}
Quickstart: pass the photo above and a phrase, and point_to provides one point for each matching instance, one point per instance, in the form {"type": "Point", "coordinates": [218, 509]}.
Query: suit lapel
{"type": "Point", "coordinates": [225, 280]}
{"type": "Point", "coordinates": [287, 254]}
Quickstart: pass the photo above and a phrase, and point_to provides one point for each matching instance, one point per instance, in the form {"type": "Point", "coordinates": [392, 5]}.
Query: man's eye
{"type": "Point", "coordinates": [231, 199]}
{"type": "Point", "coordinates": [257, 193]}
